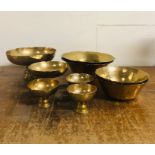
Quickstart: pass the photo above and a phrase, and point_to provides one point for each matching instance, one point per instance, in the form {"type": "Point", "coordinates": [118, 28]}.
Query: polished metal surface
{"type": "Point", "coordinates": [82, 93]}
{"type": "Point", "coordinates": [86, 61]}
{"type": "Point", "coordinates": [28, 55]}
{"type": "Point", "coordinates": [48, 68]}
{"type": "Point", "coordinates": [122, 83]}
{"type": "Point", "coordinates": [79, 78]}
{"type": "Point", "coordinates": [43, 87]}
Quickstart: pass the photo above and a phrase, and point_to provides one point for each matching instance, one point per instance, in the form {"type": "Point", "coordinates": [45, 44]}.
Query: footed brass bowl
{"type": "Point", "coordinates": [86, 61]}
{"type": "Point", "coordinates": [121, 83]}
{"type": "Point", "coordinates": [43, 88]}
{"type": "Point", "coordinates": [48, 68]}
{"type": "Point", "coordinates": [79, 78]}
{"type": "Point", "coordinates": [29, 55]}
{"type": "Point", "coordinates": [82, 93]}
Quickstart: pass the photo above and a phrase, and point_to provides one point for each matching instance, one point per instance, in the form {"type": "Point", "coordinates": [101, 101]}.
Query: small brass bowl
{"type": "Point", "coordinates": [43, 88]}
{"type": "Point", "coordinates": [86, 61]}
{"type": "Point", "coordinates": [121, 83]}
{"type": "Point", "coordinates": [79, 78]}
{"type": "Point", "coordinates": [48, 68]}
{"type": "Point", "coordinates": [29, 55]}
{"type": "Point", "coordinates": [82, 93]}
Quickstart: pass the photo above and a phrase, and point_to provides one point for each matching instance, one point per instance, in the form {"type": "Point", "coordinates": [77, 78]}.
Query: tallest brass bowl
{"type": "Point", "coordinates": [86, 61]}
{"type": "Point", "coordinates": [29, 55]}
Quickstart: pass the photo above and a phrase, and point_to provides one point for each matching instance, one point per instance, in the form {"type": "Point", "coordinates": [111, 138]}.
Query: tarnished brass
{"type": "Point", "coordinates": [48, 68]}
{"type": "Point", "coordinates": [28, 55]}
{"type": "Point", "coordinates": [79, 78]}
{"type": "Point", "coordinates": [86, 61]}
{"type": "Point", "coordinates": [82, 93]}
{"type": "Point", "coordinates": [122, 83]}
{"type": "Point", "coordinates": [43, 87]}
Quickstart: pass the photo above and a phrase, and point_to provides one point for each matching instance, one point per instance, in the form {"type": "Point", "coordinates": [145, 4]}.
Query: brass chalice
{"type": "Point", "coordinates": [86, 61]}
{"type": "Point", "coordinates": [43, 88]}
{"type": "Point", "coordinates": [79, 78]}
{"type": "Point", "coordinates": [28, 55]}
{"type": "Point", "coordinates": [122, 83]}
{"type": "Point", "coordinates": [82, 93]}
{"type": "Point", "coordinates": [46, 69]}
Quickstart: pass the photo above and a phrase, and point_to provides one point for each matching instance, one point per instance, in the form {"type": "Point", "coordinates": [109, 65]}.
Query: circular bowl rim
{"type": "Point", "coordinates": [94, 91]}
{"type": "Point", "coordinates": [8, 52]}
{"type": "Point", "coordinates": [67, 78]}
{"type": "Point", "coordinates": [86, 62]}
{"type": "Point", "coordinates": [123, 83]}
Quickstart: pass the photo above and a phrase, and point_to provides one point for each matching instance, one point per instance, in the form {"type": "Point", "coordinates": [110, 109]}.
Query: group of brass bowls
{"type": "Point", "coordinates": [120, 83]}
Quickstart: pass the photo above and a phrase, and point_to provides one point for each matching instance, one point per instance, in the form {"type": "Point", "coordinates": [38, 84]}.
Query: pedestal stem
{"type": "Point", "coordinates": [82, 108]}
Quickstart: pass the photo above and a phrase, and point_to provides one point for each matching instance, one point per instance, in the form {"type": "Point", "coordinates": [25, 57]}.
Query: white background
{"type": "Point", "coordinates": [128, 36]}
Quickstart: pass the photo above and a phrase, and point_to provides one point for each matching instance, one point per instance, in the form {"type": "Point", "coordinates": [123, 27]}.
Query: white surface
{"type": "Point", "coordinates": [67, 31]}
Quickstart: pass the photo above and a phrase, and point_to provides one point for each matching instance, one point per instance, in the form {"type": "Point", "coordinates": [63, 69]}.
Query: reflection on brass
{"type": "Point", "coordinates": [86, 61]}
{"type": "Point", "coordinates": [122, 83]}
{"type": "Point", "coordinates": [48, 68]}
{"type": "Point", "coordinates": [79, 78]}
{"type": "Point", "coordinates": [29, 55]}
{"type": "Point", "coordinates": [43, 87]}
{"type": "Point", "coordinates": [82, 93]}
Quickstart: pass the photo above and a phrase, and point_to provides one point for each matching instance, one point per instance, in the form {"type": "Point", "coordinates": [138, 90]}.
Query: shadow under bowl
{"type": "Point", "coordinates": [86, 61]}
{"type": "Point", "coordinates": [28, 55]}
{"type": "Point", "coordinates": [121, 83]}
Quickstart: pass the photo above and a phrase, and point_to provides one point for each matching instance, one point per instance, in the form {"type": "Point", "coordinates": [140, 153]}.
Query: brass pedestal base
{"type": "Point", "coordinates": [82, 108]}
{"type": "Point", "coordinates": [44, 103]}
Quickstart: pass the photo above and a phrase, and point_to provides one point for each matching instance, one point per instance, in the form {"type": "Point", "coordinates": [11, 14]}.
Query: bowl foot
{"type": "Point", "coordinates": [82, 108]}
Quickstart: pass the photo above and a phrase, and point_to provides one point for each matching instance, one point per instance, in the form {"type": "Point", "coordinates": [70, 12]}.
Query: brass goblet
{"type": "Point", "coordinates": [48, 69]}
{"type": "Point", "coordinates": [28, 55]}
{"type": "Point", "coordinates": [122, 83]}
{"type": "Point", "coordinates": [43, 88]}
{"type": "Point", "coordinates": [82, 93]}
{"type": "Point", "coordinates": [79, 78]}
{"type": "Point", "coordinates": [86, 61]}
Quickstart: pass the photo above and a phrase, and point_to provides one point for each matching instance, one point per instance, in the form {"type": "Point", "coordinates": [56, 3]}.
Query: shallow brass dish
{"type": "Point", "coordinates": [82, 93]}
{"type": "Point", "coordinates": [43, 88]}
{"type": "Point", "coordinates": [79, 78]}
{"type": "Point", "coordinates": [122, 83]}
{"type": "Point", "coordinates": [48, 68]}
{"type": "Point", "coordinates": [86, 61]}
{"type": "Point", "coordinates": [29, 55]}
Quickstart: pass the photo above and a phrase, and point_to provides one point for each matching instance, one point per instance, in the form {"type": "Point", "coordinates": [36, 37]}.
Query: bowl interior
{"type": "Point", "coordinates": [48, 66]}
{"type": "Point", "coordinates": [79, 78]}
{"type": "Point", "coordinates": [87, 56]}
{"type": "Point", "coordinates": [35, 52]}
{"type": "Point", "coordinates": [43, 84]}
{"type": "Point", "coordinates": [81, 89]}
{"type": "Point", "coordinates": [122, 74]}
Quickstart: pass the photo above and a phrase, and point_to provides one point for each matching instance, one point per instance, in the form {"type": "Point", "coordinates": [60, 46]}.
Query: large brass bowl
{"type": "Point", "coordinates": [29, 55]}
{"type": "Point", "coordinates": [43, 88]}
{"type": "Point", "coordinates": [48, 68]}
{"type": "Point", "coordinates": [79, 78]}
{"type": "Point", "coordinates": [121, 83]}
{"type": "Point", "coordinates": [82, 93]}
{"type": "Point", "coordinates": [86, 61]}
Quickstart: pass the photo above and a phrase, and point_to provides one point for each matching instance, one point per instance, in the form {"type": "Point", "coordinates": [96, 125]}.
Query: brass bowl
{"type": "Point", "coordinates": [82, 93]}
{"type": "Point", "coordinates": [86, 61]}
{"type": "Point", "coordinates": [48, 68]}
{"type": "Point", "coordinates": [29, 55]}
{"type": "Point", "coordinates": [43, 88]}
{"type": "Point", "coordinates": [79, 78]}
{"type": "Point", "coordinates": [121, 83]}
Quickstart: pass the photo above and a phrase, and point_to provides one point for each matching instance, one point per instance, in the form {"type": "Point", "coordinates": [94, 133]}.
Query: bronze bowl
{"type": "Point", "coordinates": [29, 55]}
{"type": "Point", "coordinates": [43, 87]}
{"type": "Point", "coordinates": [82, 93]}
{"type": "Point", "coordinates": [86, 61]}
{"type": "Point", "coordinates": [79, 78]}
{"type": "Point", "coordinates": [46, 69]}
{"type": "Point", "coordinates": [121, 83]}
